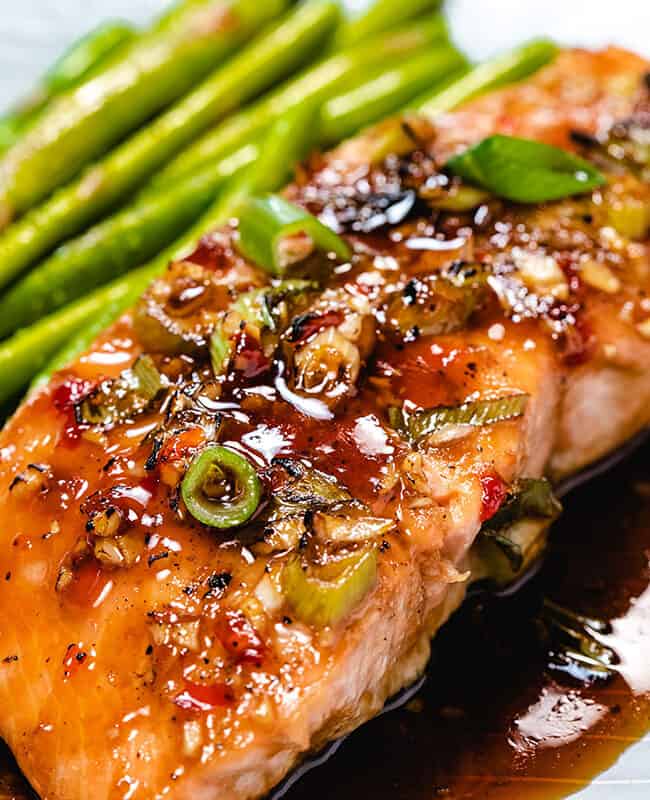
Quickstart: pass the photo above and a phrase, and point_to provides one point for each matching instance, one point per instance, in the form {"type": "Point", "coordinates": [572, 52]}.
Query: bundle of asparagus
{"type": "Point", "coordinates": [138, 143]}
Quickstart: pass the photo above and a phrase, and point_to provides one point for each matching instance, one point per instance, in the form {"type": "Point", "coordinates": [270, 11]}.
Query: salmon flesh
{"type": "Point", "coordinates": [144, 654]}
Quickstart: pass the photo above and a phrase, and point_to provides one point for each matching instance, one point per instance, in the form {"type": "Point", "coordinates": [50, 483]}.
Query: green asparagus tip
{"type": "Point", "coordinates": [500, 71]}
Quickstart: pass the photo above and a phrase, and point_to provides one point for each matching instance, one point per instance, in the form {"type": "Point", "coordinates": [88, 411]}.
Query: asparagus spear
{"type": "Point", "coordinates": [347, 113]}
{"type": "Point", "coordinates": [122, 241]}
{"type": "Point", "coordinates": [38, 348]}
{"type": "Point", "coordinates": [28, 351]}
{"type": "Point", "coordinates": [382, 16]}
{"type": "Point", "coordinates": [16, 356]}
{"type": "Point", "coordinates": [78, 62]}
{"type": "Point", "coordinates": [322, 81]}
{"type": "Point", "coordinates": [499, 71]}
{"type": "Point", "coordinates": [271, 56]}
{"type": "Point", "coordinates": [141, 230]}
{"type": "Point", "coordinates": [286, 145]}
{"type": "Point", "coordinates": [86, 55]}
{"type": "Point", "coordinates": [96, 315]}
{"type": "Point", "coordinates": [159, 68]}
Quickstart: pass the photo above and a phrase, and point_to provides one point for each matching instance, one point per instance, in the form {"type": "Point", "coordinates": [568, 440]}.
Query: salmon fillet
{"type": "Point", "coordinates": [145, 655]}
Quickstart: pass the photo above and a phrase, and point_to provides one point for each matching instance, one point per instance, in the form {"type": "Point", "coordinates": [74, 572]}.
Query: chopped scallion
{"type": "Point", "coordinates": [482, 412]}
{"type": "Point", "coordinates": [150, 381]}
{"type": "Point", "coordinates": [525, 171]}
{"type": "Point", "coordinates": [325, 595]}
{"type": "Point", "coordinates": [518, 527]}
{"type": "Point", "coordinates": [220, 351]}
{"type": "Point", "coordinates": [272, 233]}
{"type": "Point", "coordinates": [221, 488]}
{"type": "Point", "coordinates": [264, 310]}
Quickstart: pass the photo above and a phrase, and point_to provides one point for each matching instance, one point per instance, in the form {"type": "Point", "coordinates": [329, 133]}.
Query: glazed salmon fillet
{"type": "Point", "coordinates": [398, 415]}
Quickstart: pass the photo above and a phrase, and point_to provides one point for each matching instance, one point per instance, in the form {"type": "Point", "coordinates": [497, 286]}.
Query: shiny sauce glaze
{"type": "Point", "coordinates": [214, 654]}
{"type": "Point", "coordinates": [499, 717]}
{"type": "Point", "coordinates": [496, 718]}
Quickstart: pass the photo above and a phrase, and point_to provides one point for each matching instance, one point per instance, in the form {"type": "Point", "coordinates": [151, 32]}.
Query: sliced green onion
{"type": "Point", "coordinates": [395, 136]}
{"type": "Point", "coordinates": [503, 556]}
{"type": "Point", "coordinates": [458, 199]}
{"type": "Point", "coordinates": [493, 74]}
{"type": "Point", "coordinates": [630, 217]}
{"type": "Point", "coordinates": [259, 307]}
{"type": "Point", "coordinates": [433, 306]}
{"type": "Point", "coordinates": [518, 527]}
{"type": "Point", "coordinates": [220, 351]}
{"type": "Point", "coordinates": [482, 412]}
{"type": "Point", "coordinates": [269, 225]}
{"type": "Point", "coordinates": [221, 488]}
{"type": "Point", "coordinates": [626, 145]}
{"type": "Point", "coordinates": [397, 420]}
{"type": "Point", "coordinates": [325, 595]}
{"type": "Point", "coordinates": [534, 497]}
{"type": "Point", "coordinates": [528, 497]}
{"type": "Point", "coordinates": [350, 525]}
{"type": "Point", "coordinates": [130, 393]}
{"type": "Point", "coordinates": [525, 171]}
{"type": "Point", "coordinates": [310, 489]}
{"type": "Point", "coordinates": [253, 308]}
{"type": "Point", "coordinates": [150, 381]}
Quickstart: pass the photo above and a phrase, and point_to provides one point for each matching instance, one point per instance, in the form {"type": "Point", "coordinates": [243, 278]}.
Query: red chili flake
{"type": "Point", "coordinates": [569, 266]}
{"type": "Point", "coordinates": [305, 326]}
{"type": "Point", "coordinates": [75, 658]}
{"type": "Point", "coordinates": [150, 484]}
{"type": "Point", "coordinates": [90, 585]}
{"type": "Point", "coordinates": [130, 501]}
{"type": "Point", "coordinates": [249, 361]}
{"type": "Point", "coordinates": [200, 697]}
{"type": "Point", "coordinates": [71, 392]}
{"type": "Point", "coordinates": [494, 491]}
{"type": "Point", "coordinates": [240, 638]}
{"type": "Point", "coordinates": [577, 343]}
{"type": "Point", "coordinates": [72, 432]}
{"type": "Point", "coordinates": [178, 446]}
{"type": "Point", "coordinates": [66, 397]}
{"type": "Point", "coordinates": [211, 254]}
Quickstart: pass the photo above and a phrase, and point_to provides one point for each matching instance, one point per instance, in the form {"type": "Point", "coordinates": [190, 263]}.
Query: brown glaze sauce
{"type": "Point", "coordinates": [494, 716]}
{"type": "Point", "coordinates": [494, 719]}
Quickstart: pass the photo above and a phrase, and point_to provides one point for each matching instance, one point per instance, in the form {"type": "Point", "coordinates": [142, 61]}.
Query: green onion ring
{"type": "Point", "coordinates": [265, 224]}
{"type": "Point", "coordinates": [324, 596]}
{"type": "Point", "coordinates": [217, 513]}
{"type": "Point", "coordinates": [418, 425]}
